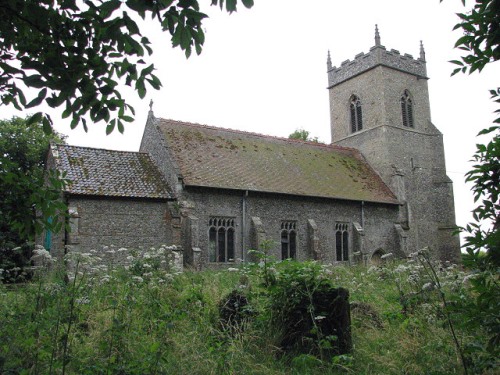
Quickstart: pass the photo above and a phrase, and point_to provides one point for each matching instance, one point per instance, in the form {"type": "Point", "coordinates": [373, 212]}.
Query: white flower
{"type": "Point", "coordinates": [233, 269]}
{"type": "Point", "coordinates": [401, 268]}
{"type": "Point", "coordinates": [82, 300]}
{"type": "Point", "coordinates": [138, 279]}
{"type": "Point", "coordinates": [387, 256]}
{"type": "Point", "coordinates": [468, 277]}
{"type": "Point", "coordinates": [428, 286]}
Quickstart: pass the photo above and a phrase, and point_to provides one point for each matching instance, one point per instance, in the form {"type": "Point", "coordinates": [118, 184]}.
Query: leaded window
{"type": "Point", "coordinates": [407, 109]}
{"type": "Point", "coordinates": [221, 239]}
{"type": "Point", "coordinates": [288, 240]}
{"type": "Point", "coordinates": [342, 242]}
{"type": "Point", "coordinates": [356, 114]}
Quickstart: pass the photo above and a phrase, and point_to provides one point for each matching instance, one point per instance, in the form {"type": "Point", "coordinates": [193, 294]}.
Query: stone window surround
{"type": "Point", "coordinates": [288, 239]}
{"type": "Point", "coordinates": [221, 226]}
{"type": "Point", "coordinates": [356, 113]}
{"type": "Point", "coordinates": [407, 109]}
{"type": "Point", "coordinates": [342, 241]}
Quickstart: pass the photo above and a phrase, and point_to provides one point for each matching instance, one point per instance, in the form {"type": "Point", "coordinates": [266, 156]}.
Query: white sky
{"type": "Point", "coordinates": [264, 70]}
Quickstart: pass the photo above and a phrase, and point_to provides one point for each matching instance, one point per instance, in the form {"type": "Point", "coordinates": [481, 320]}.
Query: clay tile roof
{"type": "Point", "coordinates": [102, 172]}
{"type": "Point", "coordinates": [223, 158]}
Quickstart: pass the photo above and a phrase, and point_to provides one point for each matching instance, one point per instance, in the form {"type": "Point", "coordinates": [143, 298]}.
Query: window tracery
{"type": "Point", "coordinates": [221, 239]}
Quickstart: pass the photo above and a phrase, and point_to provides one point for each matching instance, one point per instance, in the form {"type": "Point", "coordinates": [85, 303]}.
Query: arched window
{"type": "Point", "coordinates": [288, 240]}
{"type": "Point", "coordinates": [407, 109]}
{"type": "Point", "coordinates": [342, 242]}
{"type": "Point", "coordinates": [221, 239]}
{"type": "Point", "coordinates": [356, 115]}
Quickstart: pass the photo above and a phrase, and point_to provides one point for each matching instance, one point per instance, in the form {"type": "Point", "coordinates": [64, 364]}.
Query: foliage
{"type": "Point", "coordinates": [24, 190]}
{"type": "Point", "coordinates": [303, 135]}
{"type": "Point", "coordinates": [74, 54]}
{"type": "Point", "coordinates": [131, 311]}
{"type": "Point", "coordinates": [481, 39]}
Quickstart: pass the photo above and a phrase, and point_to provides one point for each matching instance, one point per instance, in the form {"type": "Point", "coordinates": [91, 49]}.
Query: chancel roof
{"type": "Point", "coordinates": [222, 158]}
{"type": "Point", "coordinates": [93, 171]}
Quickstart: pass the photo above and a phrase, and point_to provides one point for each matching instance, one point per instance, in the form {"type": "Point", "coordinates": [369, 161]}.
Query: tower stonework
{"type": "Point", "coordinates": [379, 104]}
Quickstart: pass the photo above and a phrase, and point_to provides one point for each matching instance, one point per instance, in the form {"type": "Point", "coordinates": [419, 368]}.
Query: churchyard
{"type": "Point", "coordinates": [407, 317]}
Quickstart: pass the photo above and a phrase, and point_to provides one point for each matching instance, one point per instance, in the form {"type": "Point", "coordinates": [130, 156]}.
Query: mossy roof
{"type": "Point", "coordinates": [100, 172]}
{"type": "Point", "coordinates": [222, 158]}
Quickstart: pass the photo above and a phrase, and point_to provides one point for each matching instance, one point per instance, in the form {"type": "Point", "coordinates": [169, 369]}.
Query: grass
{"type": "Point", "coordinates": [153, 320]}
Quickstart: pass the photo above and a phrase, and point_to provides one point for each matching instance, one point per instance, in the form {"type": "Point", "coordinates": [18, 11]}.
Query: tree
{"type": "Point", "coordinates": [481, 42]}
{"type": "Point", "coordinates": [302, 135]}
{"type": "Point", "coordinates": [74, 53]}
{"type": "Point", "coordinates": [481, 39]}
{"type": "Point", "coordinates": [25, 190]}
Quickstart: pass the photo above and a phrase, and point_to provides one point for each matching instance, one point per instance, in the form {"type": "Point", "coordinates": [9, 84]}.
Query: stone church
{"type": "Point", "coordinates": [380, 186]}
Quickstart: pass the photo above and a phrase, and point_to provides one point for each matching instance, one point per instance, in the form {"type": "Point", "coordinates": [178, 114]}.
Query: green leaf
{"type": "Point", "coordinates": [34, 80]}
{"type": "Point", "coordinates": [108, 7]}
{"type": "Point", "coordinates": [230, 5]}
{"type": "Point", "coordinates": [35, 102]}
{"type": "Point", "coordinates": [121, 129]}
{"type": "Point", "coordinates": [127, 118]}
{"type": "Point", "coordinates": [47, 125]}
{"type": "Point", "coordinates": [37, 117]}
{"type": "Point", "coordinates": [110, 127]}
{"type": "Point", "coordinates": [247, 3]}
{"type": "Point", "coordinates": [457, 62]}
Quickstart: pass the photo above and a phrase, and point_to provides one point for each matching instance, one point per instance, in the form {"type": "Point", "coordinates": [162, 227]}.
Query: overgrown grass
{"type": "Point", "coordinates": [149, 319]}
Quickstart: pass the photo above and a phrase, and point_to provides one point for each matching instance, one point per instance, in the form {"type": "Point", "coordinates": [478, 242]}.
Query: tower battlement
{"type": "Point", "coordinates": [377, 56]}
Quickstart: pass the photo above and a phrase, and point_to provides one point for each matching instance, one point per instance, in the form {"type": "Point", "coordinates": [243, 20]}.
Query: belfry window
{"type": "Point", "coordinates": [221, 239]}
{"type": "Point", "coordinates": [407, 109]}
{"type": "Point", "coordinates": [342, 242]}
{"type": "Point", "coordinates": [356, 114]}
{"type": "Point", "coordinates": [288, 240]}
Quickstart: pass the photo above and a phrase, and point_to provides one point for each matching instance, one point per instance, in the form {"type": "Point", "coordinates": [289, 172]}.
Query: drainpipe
{"type": "Point", "coordinates": [243, 224]}
{"type": "Point", "coordinates": [363, 214]}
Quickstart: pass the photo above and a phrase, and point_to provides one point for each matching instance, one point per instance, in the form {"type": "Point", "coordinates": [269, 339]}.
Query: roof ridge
{"type": "Point", "coordinates": [101, 149]}
{"type": "Point", "coordinates": [260, 135]}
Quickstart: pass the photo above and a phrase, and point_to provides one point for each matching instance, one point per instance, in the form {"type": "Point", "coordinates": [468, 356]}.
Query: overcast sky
{"type": "Point", "coordinates": [264, 70]}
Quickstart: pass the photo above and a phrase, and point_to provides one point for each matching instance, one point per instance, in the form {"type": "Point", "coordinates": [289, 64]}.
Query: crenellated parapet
{"type": "Point", "coordinates": [377, 56]}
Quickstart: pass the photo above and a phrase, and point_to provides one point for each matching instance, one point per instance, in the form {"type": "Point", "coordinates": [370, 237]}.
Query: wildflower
{"type": "Point", "coordinates": [387, 256]}
{"type": "Point", "coordinates": [319, 317]}
{"type": "Point", "coordinates": [231, 269]}
{"type": "Point", "coordinates": [428, 286]}
{"type": "Point", "coordinates": [105, 279]}
{"type": "Point", "coordinates": [82, 301]}
{"type": "Point", "coordinates": [468, 277]}
{"type": "Point", "coordinates": [400, 268]}
{"type": "Point", "coordinates": [138, 279]}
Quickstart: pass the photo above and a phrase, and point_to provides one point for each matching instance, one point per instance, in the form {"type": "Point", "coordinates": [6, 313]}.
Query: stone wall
{"type": "Point", "coordinates": [97, 222]}
{"type": "Point", "coordinates": [315, 221]}
{"type": "Point", "coordinates": [410, 160]}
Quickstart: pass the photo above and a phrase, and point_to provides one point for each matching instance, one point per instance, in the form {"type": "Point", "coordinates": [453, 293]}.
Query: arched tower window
{"type": "Point", "coordinates": [356, 114]}
{"type": "Point", "coordinates": [407, 109]}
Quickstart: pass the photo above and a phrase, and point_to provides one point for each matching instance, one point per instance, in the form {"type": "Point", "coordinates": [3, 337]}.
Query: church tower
{"type": "Point", "coordinates": [379, 104]}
